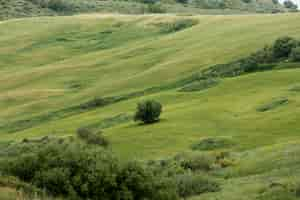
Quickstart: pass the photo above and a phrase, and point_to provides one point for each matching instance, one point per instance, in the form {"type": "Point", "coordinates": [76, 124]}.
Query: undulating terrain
{"type": "Point", "coordinates": [59, 74]}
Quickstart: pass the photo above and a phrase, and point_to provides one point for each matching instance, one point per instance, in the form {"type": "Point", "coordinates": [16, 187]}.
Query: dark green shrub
{"type": "Point", "coordinates": [67, 169]}
{"type": "Point", "coordinates": [91, 138]}
{"type": "Point", "coordinates": [149, 1]}
{"type": "Point", "coordinates": [165, 189]}
{"type": "Point", "coordinates": [182, 1]}
{"type": "Point", "coordinates": [190, 184]}
{"type": "Point", "coordinates": [283, 47]}
{"type": "Point", "coordinates": [275, 1]}
{"type": "Point", "coordinates": [24, 167]}
{"type": "Point", "coordinates": [165, 168]}
{"type": "Point", "coordinates": [41, 3]}
{"type": "Point", "coordinates": [83, 133]}
{"type": "Point", "coordinates": [177, 25]}
{"type": "Point", "coordinates": [96, 102]}
{"type": "Point", "coordinates": [75, 170]}
{"type": "Point", "coordinates": [60, 5]}
{"type": "Point", "coordinates": [156, 8]}
{"type": "Point", "coordinates": [136, 181]}
{"type": "Point", "coordinates": [249, 65]}
{"type": "Point", "coordinates": [56, 180]}
{"type": "Point", "coordinates": [295, 54]}
{"type": "Point", "coordinates": [274, 11]}
{"type": "Point", "coordinates": [196, 161]}
{"type": "Point", "coordinates": [211, 4]}
{"type": "Point", "coordinates": [148, 111]}
{"type": "Point", "coordinates": [264, 55]}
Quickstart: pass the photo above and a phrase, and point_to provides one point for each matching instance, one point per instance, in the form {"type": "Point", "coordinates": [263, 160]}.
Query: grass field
{"type": "Point", "coordinates": [49, 65]}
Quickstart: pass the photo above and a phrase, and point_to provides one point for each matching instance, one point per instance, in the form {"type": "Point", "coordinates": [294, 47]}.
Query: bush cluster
{"type": "Point", "coordinates": [211, 4]}
{"type": "Point", "coordinates": [189, 185]}
{"type": "Point", "coordinates": [91, 138]}
{"type": "Point", "coordinates": [283, 48]}
{"type": "Point", "coordinates": [80, 171]}
{"type": "Point", "coordinates": [195, 161]}
{"type": "Point", "coordinates": [177, 25]}
{"type": "Point", "coordinates": [155, 8]}
{"type": "Point", "coordinates": [56, 5]}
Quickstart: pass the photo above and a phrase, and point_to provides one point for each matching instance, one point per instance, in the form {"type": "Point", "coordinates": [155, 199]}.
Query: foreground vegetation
{"type": "Point", "coordinates": [72, 169]}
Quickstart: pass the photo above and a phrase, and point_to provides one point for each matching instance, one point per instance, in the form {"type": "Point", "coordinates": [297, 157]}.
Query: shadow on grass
{"type": "Point", "coordinates": [141, 124]}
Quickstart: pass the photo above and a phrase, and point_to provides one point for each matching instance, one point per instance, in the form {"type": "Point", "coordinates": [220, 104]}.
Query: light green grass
{"type": "Point", "coordinates": [38, 77]}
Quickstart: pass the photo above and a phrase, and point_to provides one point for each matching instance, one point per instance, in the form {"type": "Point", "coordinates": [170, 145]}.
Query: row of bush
{"type": "Point", "coordinates": [56, 5]}
{"type": "Point", "coordinates": [77, 170]}
{"type": "Point", "coordinates": [284, 49]}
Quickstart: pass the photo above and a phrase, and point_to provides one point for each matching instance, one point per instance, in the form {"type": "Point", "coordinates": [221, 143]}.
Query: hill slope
{"type": "Point", "coordinates": [53, 68]}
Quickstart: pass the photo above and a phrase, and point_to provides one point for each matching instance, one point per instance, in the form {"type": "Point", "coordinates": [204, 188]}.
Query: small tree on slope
{"type": "Point", "coordinates": [148, 111]}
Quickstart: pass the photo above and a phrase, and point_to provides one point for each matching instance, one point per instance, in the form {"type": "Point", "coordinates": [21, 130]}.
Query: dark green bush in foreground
{"type": "Point", "coordinates": [80, 171]}
{"type": "Point", "coordinates": [189, 185]}
{"type": "Point", "coordinates": [195, 161]}
{"type": "Point", "coordinates": [148, 111]}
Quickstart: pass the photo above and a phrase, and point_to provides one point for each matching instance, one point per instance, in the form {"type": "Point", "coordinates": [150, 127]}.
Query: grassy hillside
{"type": "Point", "coordinates": [54, 68]}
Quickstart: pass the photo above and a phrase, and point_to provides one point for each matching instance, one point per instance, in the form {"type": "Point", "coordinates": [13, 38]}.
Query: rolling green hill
{"type": "Point", "coordinates": [59, 74]}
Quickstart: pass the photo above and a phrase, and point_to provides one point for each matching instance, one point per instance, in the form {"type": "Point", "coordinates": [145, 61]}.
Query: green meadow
{"type": "Point", "coordinates": [51, 65]}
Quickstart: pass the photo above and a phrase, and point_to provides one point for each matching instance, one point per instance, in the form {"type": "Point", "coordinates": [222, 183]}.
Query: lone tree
{"type": "Point", "coordinates": [148, 111]}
